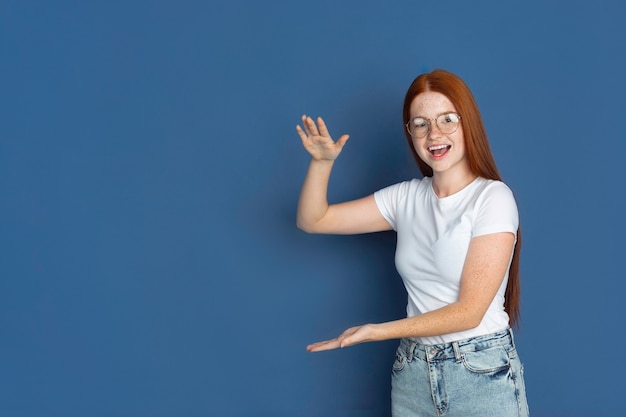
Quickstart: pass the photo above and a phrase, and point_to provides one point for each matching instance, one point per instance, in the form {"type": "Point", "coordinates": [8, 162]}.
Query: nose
{"type": "Point", "coordinates": [433, 130]}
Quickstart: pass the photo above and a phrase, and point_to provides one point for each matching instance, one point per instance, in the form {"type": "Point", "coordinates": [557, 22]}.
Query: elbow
{"type": "Point", "coordinates": [471, 318]}
{"type": "Point", "coordinates": [305, 227]}
{"type": "Point", "coordinates": [473, 322]}
{"type": "Point", "coordinates": [302, 227]}
{"type": "Point", "coordinates": [467, 323]}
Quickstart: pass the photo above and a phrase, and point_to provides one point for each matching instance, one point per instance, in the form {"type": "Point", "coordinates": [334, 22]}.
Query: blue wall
{"type": "Point", "coordinates": [149, 172]}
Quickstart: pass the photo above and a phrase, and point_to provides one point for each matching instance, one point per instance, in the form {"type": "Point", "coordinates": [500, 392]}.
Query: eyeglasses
{"type": "Point", "coordinates": [447, 123]}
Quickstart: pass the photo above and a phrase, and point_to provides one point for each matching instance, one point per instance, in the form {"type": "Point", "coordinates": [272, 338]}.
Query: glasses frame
{"type": "Point", "coordinates": [430, 124]}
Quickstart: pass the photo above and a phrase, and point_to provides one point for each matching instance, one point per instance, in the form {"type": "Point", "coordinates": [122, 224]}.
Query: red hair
{"type": "Point", "coordinates": [481, 161]}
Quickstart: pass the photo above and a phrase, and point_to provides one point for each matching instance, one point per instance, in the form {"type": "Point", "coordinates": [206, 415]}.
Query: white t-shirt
{"type": "Point", "coordinates": [433, 236]}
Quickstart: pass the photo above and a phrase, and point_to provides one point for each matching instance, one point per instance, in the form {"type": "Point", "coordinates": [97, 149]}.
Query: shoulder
{"type": "Point", "coordinates": [404, 188]}
{"type": "Point", "coordinates": [495, 208]}
{"type": "Point", "coordinates": [398, 199]}
{"type": "Point", "coordinates": [493, 189]}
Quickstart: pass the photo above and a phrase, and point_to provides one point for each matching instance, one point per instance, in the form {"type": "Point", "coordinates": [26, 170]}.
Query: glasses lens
{"type": "Point", "coordinates": [418, 127]}
{"type": "Point", "coordinates": [448, 123]}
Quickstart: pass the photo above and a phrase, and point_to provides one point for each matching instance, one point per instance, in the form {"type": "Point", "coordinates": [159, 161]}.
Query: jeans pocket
{"type": "Point", "coordinates": [400, 362]}
{"type": "Point", "coordinates": [487, 361]}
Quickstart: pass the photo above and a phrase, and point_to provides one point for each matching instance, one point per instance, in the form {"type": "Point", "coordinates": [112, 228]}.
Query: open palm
{"type": "Point", "coordinates": [317, 141]}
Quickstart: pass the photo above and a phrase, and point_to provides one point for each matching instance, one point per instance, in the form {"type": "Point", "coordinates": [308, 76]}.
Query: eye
{"type": "Point", "coordinates": [418, 122]}
{"type": "Point", "coordinates": [448, 118]}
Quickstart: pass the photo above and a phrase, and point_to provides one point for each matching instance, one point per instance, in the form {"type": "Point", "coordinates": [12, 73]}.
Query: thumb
{"type": "Point", "coordinates": [342, 140]}
{"type": "Point", "coordinates": [349, 338]}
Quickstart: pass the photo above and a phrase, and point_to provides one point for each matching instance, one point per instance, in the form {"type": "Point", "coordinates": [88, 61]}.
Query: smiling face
{"type": "Point", "coordinates": [444, 153]}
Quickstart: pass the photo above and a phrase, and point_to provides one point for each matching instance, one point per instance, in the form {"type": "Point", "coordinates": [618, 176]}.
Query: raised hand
{"type": "Point", "coordinates": [317, 141]}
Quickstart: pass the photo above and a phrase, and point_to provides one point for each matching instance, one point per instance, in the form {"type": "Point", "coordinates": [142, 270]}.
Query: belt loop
{"type": "Point", "coordinates": [512, 338]}
{"type": "Point", "coordinates": [457, 352]}
{"type": "Point", "coordinates": [410, 350]}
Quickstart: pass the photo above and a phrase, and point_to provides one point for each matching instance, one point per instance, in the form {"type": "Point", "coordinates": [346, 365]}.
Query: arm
{"type": "Point", "coordinates": [485, 266]}
{"type": "Point", "coordinates": [315, 215]}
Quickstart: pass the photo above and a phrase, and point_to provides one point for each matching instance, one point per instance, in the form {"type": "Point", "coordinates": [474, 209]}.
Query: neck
{"type": "Point", "coordinates": [446, 184]}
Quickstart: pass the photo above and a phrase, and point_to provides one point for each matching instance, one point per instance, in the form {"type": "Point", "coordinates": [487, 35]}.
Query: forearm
{"type": "Point", "coordinates": [313, 202]}
{"type": "Point", "coordinates": [449, 319]}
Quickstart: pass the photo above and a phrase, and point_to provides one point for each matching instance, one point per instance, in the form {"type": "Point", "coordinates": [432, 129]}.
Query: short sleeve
{"type": "Point", "coordinates": [388, 200]}
{"type": "Point", "coordinates": [496, 211]}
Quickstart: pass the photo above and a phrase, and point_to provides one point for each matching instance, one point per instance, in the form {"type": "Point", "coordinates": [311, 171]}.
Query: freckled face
{"type": "Point", "coordinates": [442, 152]}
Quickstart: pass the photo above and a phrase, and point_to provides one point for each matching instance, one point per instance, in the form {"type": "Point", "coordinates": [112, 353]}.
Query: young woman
{"type": "Point", "coordinates": [457, 252]}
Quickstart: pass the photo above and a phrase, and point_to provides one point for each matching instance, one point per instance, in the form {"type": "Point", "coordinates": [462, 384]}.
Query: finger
{"type": "Point", "coordinates": [322, 127]}
{"type": "Point", "coordinates": [311, 127]}
{"type": "Point", "coordinates": [301, 133]}
{"type": "Point", "coordinates": [318, 344]}
{"type": "Point", "coordinates": [321, 346]}
{"type": "Point", "coordinates": [304, 131]}
{"type": "Point", "coordinates": [324, 132]}
{"type": "Point", "coordinates": [328, 342]}
{"type": "Point", "coordinates": [304, 127]}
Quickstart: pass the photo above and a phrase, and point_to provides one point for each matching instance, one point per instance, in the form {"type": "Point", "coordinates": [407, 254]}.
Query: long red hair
{"type": "Point", "coordinates": [479, 154]}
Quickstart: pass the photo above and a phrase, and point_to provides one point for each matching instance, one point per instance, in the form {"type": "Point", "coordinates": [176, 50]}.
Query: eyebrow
{"type": "Point", "coordinates": [442, 113]}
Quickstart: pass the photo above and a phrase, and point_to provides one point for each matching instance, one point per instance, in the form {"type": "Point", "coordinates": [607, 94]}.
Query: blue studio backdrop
{"type": "Point", "coordinates": [149, 173]}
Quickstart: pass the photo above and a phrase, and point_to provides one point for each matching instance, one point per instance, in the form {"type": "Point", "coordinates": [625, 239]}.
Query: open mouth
{"type": "Point", "coordinates": [439, 150]}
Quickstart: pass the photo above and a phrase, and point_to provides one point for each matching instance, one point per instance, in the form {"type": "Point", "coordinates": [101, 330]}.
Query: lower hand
{"type": "Point", "coordinates": [352, 336]}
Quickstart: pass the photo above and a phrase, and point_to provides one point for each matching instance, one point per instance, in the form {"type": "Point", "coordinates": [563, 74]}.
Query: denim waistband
{"type": "Point", "coordinates": [455, 349]}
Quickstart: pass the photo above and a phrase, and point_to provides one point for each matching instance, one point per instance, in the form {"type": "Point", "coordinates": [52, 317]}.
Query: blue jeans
{"type": "Point", "coordinates": [481, 377]}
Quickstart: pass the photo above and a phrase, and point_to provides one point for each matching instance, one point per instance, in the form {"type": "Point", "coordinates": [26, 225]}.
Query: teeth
{"type": "Point", "coordinates": [436, 148]}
